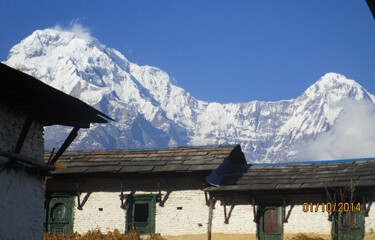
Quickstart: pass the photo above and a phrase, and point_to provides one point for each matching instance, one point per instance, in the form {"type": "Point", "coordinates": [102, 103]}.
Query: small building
{"type": "Point", "coordinates": [329, 198]}
{"type": "Point", "coordinates": [26, 106]}
{"type": "Point", "coordinates": [152, 191]}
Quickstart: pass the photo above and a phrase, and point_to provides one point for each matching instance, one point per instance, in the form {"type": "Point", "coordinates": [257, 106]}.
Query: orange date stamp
{"type": "Point", "coordinates": [340, 207]}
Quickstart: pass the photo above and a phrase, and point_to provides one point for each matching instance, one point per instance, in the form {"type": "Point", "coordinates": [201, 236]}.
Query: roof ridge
{"type": "Point", "coordinates": [151, 149]}
{"type": "Point", "coordinates": [314, 162]}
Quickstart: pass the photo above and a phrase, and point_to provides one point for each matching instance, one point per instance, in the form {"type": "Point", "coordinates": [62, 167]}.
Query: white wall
{"type": "Point", "coordinates": [21, 195]}
{"type": "Point", "coordinates": [11, 124]}
{"type": "Point", "coordinates": [370, 221]}
{"type": "Point", "coordinates": [192, 218]}
{"type": "Point", "coordinates": [240, 221]}
{"type": "Point", "coordinates": [242, 216]}
{"type": "Point", "coordinates": [111, 217]}
{"type": "Point", "coordinates": [307, 222]}
{"type": "Point", "coordinates": [168, 220]}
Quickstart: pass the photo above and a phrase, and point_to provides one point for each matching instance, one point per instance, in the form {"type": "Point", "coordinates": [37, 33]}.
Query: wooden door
{"type": "Point", "coordinates": [270, 225]}
{"type": "Point", "coordinates": [60, 214]}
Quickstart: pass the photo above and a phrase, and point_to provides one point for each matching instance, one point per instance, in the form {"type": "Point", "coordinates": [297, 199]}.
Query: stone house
{"type": "Point", "coordinates": [332, 198]}
{"type": "Point", "coordinates": [26, 106]}
{"type": "Point", "coordinates": [153, 191]}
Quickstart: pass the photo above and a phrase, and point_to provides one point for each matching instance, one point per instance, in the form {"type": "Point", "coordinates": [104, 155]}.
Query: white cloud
{"type": "Point", "coordinates": [353, 136]}
{"type": "Point", "coordinates": [78, 29]}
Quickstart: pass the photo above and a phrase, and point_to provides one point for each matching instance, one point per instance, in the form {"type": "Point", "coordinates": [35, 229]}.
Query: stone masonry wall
{"type": "Point", "coordinates": [11, 123]}
{"type": "Point", "coordinates": [21, 195]}
{"type": "Point", "coordinates": [184, 212]}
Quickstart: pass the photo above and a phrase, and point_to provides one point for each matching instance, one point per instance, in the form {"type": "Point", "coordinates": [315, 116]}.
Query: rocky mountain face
{"type": "Point", "coordinates": [152, 111]}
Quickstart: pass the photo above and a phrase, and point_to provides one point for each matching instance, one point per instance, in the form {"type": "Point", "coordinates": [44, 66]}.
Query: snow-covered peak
{"type": "Point", "coordinates": [40, 41]}
{"type": "Point", "coordinates": [335, 85]}
{"type": "Point", "coordinates": [70, 60]}
{"type": "Point", "coordinates": [335, 80]}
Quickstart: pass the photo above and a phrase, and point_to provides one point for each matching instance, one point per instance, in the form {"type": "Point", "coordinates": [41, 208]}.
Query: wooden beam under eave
{"type": "Point", "coordinates": [210, 213]}
{"type": "Point", "coordinates": [73, 134]}
{"type": "Point", "coordinates": [31, 162]}
{"type": "Point", "coordinates": [23, 134]}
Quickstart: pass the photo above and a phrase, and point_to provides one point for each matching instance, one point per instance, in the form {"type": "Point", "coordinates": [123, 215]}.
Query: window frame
{"type": "Point", "coordinates": [130, 223]}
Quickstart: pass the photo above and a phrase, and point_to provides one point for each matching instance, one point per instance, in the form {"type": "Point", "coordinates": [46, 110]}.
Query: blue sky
{"type": "Point", "coordinates": [224, 51]}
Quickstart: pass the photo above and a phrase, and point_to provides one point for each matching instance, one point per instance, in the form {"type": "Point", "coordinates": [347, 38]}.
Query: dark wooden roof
{"type": "Point", "coordinates": [182, 159]}
{"type": "Point", "coordinates": [297, 176]}
{"type": "Point", "coordinates": [371, 5]}
{"type": "Point", "coordinates": [47, 104]}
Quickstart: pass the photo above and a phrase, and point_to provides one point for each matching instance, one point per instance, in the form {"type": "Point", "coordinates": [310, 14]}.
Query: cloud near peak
{"type": "Point", "coordinates": [76, 28]}
{"type": "Point", "coordinates": [352, 137]}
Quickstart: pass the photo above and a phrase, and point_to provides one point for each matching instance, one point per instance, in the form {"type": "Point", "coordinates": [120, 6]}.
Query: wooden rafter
{"type": "Point", "coordinates": [255, 213]}
{"type": "Point", "coordinates": [161, 204]}
{"type": "Point", "coordinates": [206, 198]}
{"type": "Point", "coordinates": [26, 161]}
{"type": "Point", "coordinates": [226, 218]}
{"type": "Point", "coordinates": [23, 134]}
{"type": "Point", "coordinates": [65, 145]}
{"type": "Point", "coordinates": [79, 204]}
{"type": "Point", "coordinates": [210, 213]}
{"type": "Point", "coordinates": [122, 194]}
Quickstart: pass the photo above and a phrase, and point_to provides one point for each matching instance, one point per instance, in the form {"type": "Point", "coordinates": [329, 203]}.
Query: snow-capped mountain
{"type": "Point", "coordinates": [152, 111]}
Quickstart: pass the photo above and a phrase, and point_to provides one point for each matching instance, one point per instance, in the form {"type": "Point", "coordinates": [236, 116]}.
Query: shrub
{"type": "Point", "coordinates": [302, 236]}
{"type": "Point", "coordinates": [98, 235]}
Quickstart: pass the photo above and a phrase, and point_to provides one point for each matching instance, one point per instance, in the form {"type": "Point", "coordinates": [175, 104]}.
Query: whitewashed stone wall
{"type": "Point", "coordinates": [184, 212]}
{"type": "Point", "coordinates": [11, 123]}
{"type": "Point", "coordinates": [21, 195]}
{"type": "Point", "coordinates": [370, 221]}
{"type": "Point", "coordinates": [192, 218]}
{"type": "Point", "coordinates": [101, 211]}
{"type": "Point", "coordinates": [240, 221]}
{"type": "Point", "coordinates": [307, 222]}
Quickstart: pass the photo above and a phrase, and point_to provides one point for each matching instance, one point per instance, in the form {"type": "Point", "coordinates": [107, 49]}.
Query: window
{"type": "Point", "coordinates": [140, 214]}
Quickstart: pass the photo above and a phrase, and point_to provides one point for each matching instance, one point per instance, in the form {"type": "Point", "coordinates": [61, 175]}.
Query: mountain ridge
{"type": "Point", "coordinates": [151, 111]}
